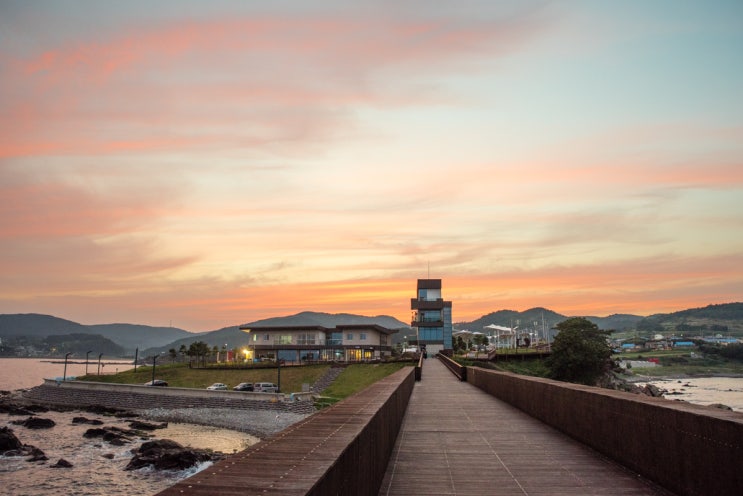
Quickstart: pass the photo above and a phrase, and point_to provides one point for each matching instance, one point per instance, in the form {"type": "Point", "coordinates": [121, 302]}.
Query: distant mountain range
{"type": "Point", "coordinates": [726, 318]}
{"type": "Point", "coordinates": [723, 318]}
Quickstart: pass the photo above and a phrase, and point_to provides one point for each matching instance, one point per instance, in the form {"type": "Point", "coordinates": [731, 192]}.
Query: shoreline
{"type": "Point", "coordinates": [259, 423]}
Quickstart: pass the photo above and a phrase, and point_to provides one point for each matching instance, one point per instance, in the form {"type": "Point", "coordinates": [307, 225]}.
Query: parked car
{"type": "Point", "coordinates": [156, 382]}
{"type": "Point", "coordinates": [218, 386]}
{"type": "Point", "coordinates": [265, 387]}
{"type": "Point", "coordinates": [244, 386]}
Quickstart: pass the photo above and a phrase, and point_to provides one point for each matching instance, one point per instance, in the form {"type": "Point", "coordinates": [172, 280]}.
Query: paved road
{"type": "Point", "coordinates": [458, 440]}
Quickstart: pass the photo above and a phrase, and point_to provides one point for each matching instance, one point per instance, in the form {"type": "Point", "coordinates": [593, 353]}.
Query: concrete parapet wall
{"type": "Point", "coordinates": [688, 449]}
{"type": "Point", "coordinates": [343, 449]}
{"type": "Point", "coordinates": [458, 370]}
{"type": "Point", "coordinates": [135, 397]}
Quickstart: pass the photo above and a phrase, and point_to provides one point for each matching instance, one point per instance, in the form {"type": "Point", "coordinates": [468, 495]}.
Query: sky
{"type": "Point", "coordinates": [208, 164]}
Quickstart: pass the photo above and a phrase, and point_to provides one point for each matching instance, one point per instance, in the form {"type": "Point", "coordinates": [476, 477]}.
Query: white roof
{"type": "Point", "coordinates": [497, 327]}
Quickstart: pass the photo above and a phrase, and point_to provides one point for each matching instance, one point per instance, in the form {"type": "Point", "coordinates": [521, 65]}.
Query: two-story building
{"type": "Point", "coordinates": [342, 343]}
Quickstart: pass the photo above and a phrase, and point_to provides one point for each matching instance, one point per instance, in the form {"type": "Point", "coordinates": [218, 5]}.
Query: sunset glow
{"type": "Point", "coordinates": [208, 164]}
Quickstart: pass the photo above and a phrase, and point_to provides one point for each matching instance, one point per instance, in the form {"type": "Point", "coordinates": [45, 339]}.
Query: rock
{"type": "Point", "coordinates": [164, 454]}
{"type": "Point", "coordinates": [36, 455]}
{"type": "Point", "coordinates": [721, 406]}
{"type": "Point", "coordinates": [12, 409]}
{"type": "Point", "coordinates": [84, 420]}
{"type": "Point", "coordinates": [109, 456]}
{"type": "Point", "coordinates": [8, 441]}
{"type": "Point", "coordinates": [652, 390]}
{"type": "Point", "coordinates": [38, 423]}
{"type": "Point", "coordinates": [93, 433]}
{"type": "Point", "coordinates": [62, 463]}
{"type": "Point", "coordinates": [103, 410]}
{"type": "Point", "coordinates": [112, 435]}
{"type": "Point", "coordinates": [146, 426]}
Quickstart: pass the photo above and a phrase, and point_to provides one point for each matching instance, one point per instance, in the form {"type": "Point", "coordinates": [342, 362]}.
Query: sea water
{"type": "Point", "coordinates": [98, 467]}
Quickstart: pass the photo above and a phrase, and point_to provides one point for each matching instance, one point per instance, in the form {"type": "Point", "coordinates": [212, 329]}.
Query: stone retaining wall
{"type": "Point", "coordinates": [688, 449]}
{"type": "Point", "coordinates": [134, 397]}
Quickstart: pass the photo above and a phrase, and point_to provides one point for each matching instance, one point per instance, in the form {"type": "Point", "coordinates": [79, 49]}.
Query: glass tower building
{"type": "Point", "coordinates": [431, 316]}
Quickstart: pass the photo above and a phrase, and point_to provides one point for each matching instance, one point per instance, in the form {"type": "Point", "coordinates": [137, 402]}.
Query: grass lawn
{"type": "Point", "coordinates": [354, 378]}
{"type": "Point", "coordinates": [179, 375]}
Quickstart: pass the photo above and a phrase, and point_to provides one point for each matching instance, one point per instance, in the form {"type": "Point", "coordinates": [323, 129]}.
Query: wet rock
{"type": "Point", "coordinates": [146, 426]}
{"type": "Point", "coordinates": [103, 410]}
{"type": "Point", "coordinates": [721, 406]}
{"type": "Point", "coordinates": [36, 455]}
{"type": "Point", "coordinates": [652, 390]}
{"type": "Point", "coordinates": [12, 409]}
{"type": "Point", "coordinates": [37, 408]}
{"type": "Point", "coordinates": [8, 441]}
{"type": "Point", "coordinates": [62, 463]}
{"type": "Point", "coordinates": [112, 435]}
{"type": "Point", "coordinates": [164, 454]}
{"type": "Point", "coordinates": [84, 420]}
{"type": "Point", "coordinates": [38, 423]}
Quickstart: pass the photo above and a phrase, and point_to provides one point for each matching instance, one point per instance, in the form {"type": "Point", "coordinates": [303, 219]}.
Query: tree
{"type": "Point", "coordinates": [580, 352]}
{"type": "Point", "coordinates": [173, 354]}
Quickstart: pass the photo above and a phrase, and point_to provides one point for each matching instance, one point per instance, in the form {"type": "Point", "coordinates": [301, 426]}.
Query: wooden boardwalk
{"type": "Point", "coordinates": [458, 440]}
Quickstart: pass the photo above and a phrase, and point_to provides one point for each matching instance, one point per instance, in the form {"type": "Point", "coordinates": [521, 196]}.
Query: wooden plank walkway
{"type": "Point", "coordinates": [458, 440]}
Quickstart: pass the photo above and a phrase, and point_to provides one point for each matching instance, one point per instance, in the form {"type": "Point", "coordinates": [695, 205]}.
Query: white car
{"type": "Point", "coordinates": [265, 387]}
{"type": "Point", "coordinates": [218, 386]}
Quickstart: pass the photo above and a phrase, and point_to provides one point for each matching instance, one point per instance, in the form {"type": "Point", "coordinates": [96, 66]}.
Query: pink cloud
{"type": "Point", "coordinates": [188, 84]}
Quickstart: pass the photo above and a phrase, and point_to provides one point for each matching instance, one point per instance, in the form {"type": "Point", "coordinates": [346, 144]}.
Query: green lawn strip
{"type": "Point", "coordinates": [355, 378]}
{"type": "Point", "coordinates": [180, 375]}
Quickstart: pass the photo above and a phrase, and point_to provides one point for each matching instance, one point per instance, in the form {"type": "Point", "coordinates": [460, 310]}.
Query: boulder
{"type": "Point", "coordinates": [653, 391]}
{"type": "Point", "coordinates": [164, 454]}
{"type": "Point", "coordinates": [38, 423]}
{"type": "Point", "coordinates": [36, 455]}
{"type": "Point", "coordinates": [62, 463]}
{"type": "Point", "coordinates": [146, 426]}
{"type": "Point", "coordinates": [721, 406]}
{"type": "Point", "coordinates": [84, 420]}
{"type": "Point", "coordinates": [112, 435]}
{"type": "Point", "coordinates": [8, 441]}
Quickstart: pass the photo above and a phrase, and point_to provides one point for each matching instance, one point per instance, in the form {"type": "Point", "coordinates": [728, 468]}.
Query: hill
{"type": "Point", "coordinates": [127, 336]}
{"type": "Point", "coordinates": [725, 319]}
{"type": "Point", "coordinates": [132, 336]}
{"type": "Point", "coordinates": [36, 325]}
{"type": "Point", "coordinates": [533, 318]}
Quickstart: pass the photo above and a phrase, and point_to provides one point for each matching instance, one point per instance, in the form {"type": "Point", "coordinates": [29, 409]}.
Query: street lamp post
{"type": "Point", "coordinates": [64, 374]}
{"type": "Point", "coordinates": [99, 363]}
{"type": "Point", "coordinates": [86, 360]}
{"type": "Point", "coordinates": [278, 368]}
{"type": "Point", "coordinates": [154, 361]}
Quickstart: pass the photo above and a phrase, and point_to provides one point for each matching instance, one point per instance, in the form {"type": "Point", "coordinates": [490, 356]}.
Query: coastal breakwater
{"type": "Point", "coordinates": [688, 449]}
{"type": "Point", "coordinates": [134, 397]}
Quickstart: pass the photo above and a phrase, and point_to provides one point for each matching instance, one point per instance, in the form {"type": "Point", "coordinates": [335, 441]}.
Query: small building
{"type": "Point", "coordinates": [314, 343]}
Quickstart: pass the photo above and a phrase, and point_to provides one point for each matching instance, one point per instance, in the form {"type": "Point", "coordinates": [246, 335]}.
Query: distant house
{"type": "Point", "coordinates": [683, 344]}
{"type": "Point", "coordinates": [342, 343]}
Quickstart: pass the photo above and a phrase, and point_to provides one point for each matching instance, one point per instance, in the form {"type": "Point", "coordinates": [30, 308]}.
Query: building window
{"type": "Point", "coordinates": [362, 336]}
{"type": "Point", "coordinates": [335, 339]}
{"type": "Point", "coordinates": [306, 338]}
{"type": "Point", "coordinates": [286, 339]}
{"type": "Point", "coordinates": [383, 339]}
{"type": "Point", "coordinates": [266, 337]}
{"type": "Point", "coordinates": [349, 336]}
